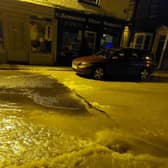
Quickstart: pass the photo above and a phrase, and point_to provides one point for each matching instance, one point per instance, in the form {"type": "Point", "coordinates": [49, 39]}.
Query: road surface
{"type": "Point", "coordinates": [48, 114]}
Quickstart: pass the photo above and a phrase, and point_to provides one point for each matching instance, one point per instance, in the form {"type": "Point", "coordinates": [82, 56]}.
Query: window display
{"type": "Point", "coordinates": [40, 31]}
{"type": "Point", "coordinates": [106, 41]}
{"type": "Point", "coordinates": [71, 43]}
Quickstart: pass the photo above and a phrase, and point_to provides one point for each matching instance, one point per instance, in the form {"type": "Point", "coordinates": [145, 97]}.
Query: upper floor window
{"type": "Point", "coordinates": [91, 2]}
{"type": "Point", "coordinates": [1, 36]}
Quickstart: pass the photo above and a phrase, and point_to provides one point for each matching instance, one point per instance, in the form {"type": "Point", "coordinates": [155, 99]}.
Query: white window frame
{"type": "Point", "coordinates": [163, 52]}
{"type": "Point", "coordinates": [143, 41]}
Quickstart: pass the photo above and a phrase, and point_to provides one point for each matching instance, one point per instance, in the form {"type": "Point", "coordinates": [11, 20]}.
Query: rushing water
{"type": "Point", "coordinates": [41, 119]}
{"type": "Point", "coordinates": [23, 97]}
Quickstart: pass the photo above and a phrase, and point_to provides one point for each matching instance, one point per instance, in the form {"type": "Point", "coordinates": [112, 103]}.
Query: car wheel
{"type": "Point", "coordinates": [98, 73]}
{"type": "Point", "coordinates": [144, 74]}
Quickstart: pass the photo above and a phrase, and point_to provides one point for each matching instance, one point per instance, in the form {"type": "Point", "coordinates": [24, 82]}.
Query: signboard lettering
{"type": "Point", "coordinates": [112, 25]}
{"type": "Point", "coordinates": [70, 17]}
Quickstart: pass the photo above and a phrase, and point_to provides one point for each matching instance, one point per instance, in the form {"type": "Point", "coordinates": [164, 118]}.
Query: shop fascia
{"type": "Point", "coordinates": [70, 15]}
{"type": "Point", "coordinates": [87, 18]}
{"type": "Point", "coordinates": [113, 25]}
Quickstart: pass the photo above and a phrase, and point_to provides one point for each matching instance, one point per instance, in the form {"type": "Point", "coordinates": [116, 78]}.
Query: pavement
{"type": "Point", "coordinates": [157, 73]}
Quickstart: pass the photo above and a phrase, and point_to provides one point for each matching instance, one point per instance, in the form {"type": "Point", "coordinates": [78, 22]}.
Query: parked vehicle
{"type": "Point", "coordinates": [112, 62]}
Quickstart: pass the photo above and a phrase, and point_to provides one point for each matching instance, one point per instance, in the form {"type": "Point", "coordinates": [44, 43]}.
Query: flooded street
{"type": "Point", "coordinates": [41, 119]}
{"type": "Point", "coordinates": [57, 119]}
{"type": "Point", "coordinates": [22, 141]}
{"type": "Point", "coordinates": [26, 103]}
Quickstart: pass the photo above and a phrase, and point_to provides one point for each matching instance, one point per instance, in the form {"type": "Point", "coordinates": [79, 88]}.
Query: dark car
{"type": "Point", "coordinates": [112, 62]}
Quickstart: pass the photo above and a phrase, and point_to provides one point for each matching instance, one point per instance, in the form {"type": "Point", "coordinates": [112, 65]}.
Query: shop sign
{"type": "Point", "coordinates": [112, 25]}
{"type": "Point", "coordinates": [75, 18]}
{"type": "Point", "coordinates": [91, 2]}
{"type": "Point", "coordinates": [93, 21]}
{"type": "Point", "coordinates": [70, 16]}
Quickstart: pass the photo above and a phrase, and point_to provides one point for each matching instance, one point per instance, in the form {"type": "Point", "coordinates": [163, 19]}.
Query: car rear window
{"type": "Point", "coordinates": [106, 52]}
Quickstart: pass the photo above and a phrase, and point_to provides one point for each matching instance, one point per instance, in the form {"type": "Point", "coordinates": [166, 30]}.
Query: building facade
{"type": "Point", "coordinates": [27, 33]}
{"type": "Point", "coordinates": [48, 32]}
{"type": "Point", "coordinates": [150, 29]}
{"type": "Point", "coordinates": [83, 34]}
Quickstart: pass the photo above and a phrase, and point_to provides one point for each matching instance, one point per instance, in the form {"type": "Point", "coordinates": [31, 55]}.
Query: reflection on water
{"type": "Point", "coordinates": [22, 141]}
{"type": "Point", "coordinates": [21, 98]}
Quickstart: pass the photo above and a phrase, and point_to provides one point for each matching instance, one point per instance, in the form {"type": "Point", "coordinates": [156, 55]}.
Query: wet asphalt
{"type": "Point", "coordinates": [24, 96]}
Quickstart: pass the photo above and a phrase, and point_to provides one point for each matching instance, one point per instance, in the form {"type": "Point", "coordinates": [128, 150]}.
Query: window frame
{"type": "Point", "coordinates": [144, 36]}
{"type": "Point", "coordinates": [43, 22]}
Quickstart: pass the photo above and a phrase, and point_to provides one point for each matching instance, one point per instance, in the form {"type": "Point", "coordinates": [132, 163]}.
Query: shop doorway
{"type": "Point", "coordinates": [90, 36]}
{"type": "Point", "coordinates": [17, 39]}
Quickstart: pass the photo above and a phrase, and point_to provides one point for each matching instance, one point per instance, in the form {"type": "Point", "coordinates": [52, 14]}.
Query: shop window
{"type": "Point", "coordinates": [40, 31]}
{"type": "Point", "coordinates": [71, 43]}
{"type": "Point", "coordinates": [106, 41]}
{"type": "Point", "coordinates": [1, 36]}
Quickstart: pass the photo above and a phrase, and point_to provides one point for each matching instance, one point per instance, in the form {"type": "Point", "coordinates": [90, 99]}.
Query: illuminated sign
{"type": "Point", "coordinates": [92, 2]}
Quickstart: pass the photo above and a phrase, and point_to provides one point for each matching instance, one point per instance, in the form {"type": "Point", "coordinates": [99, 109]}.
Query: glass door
{"type": "Point", "coordinates": [90, 38]}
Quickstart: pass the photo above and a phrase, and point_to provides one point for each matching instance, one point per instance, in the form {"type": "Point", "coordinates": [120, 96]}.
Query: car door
{"type": "Point", "coordinates": [116, 64]}
{"type": "Point", "coordinates": [132, 62]}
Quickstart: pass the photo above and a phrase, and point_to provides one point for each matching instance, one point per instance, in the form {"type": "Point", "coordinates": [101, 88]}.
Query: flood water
{"type": "Point", "coordinates": [42, 119]}
{"type": "Point", "coordinates": [24, 137]}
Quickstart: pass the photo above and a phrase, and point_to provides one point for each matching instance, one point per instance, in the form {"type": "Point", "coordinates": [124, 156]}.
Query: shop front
{"type": "Point", "coordinates": [41, 41]}
{"type": "Point", "coordinates": [81, 34]}
{"type": "Point", "coordinates": [70, 35]}
{"type": "Point", "coordinates": [111, 34]}
{"type": "Point", "coordinates": [92, 32]}
{"type": "Point", "coordinates": [26, 34]}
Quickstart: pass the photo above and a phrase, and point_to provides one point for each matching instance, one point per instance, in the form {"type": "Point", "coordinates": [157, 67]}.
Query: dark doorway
{"type": "Point", "coordinates": [160, 47]}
